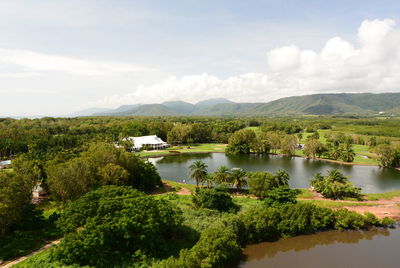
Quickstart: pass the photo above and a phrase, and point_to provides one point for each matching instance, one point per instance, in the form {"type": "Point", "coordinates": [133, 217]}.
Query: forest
{"type": "Point", "coordinates": [111, 207]}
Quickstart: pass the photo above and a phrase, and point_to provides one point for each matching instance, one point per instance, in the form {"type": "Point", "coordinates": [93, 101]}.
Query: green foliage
{"type": "Point", "coordinates": [214, 198]}
{"type": "Point", "coordinates": [222, 175]}
{"type": "Point", "coordinates": [198, 171]}
{"type": "Point", "coordinates": [113, 224]}
{"type": "Point", "coordinates": [15, 198]}
{"type": "Point", "coordinates": [314, 148]}
{"type": "Point", "coordinates": [280, 196]}
{"type": "Point", "coordinates": [216, 248]}
{"type": "Point", "coordinates": [335, 185]}
{"type": "Point", "coordinates": [388, 155]}
{"type": "Point", "coordinates": [260, 183]}
{"type": "Point", "coordinates": [31, 233]}
{"type": "Point", "coordinates": [240, 142]}
{"type": "Point", "coordinates": [288, 145]}
{"type": "Point", "coordinates": [238, 178]}
{"type": "Point", "coordinates": [102, 164]}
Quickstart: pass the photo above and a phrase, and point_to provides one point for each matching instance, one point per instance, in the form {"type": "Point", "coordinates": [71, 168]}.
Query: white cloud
{"type": "Point", "coordinates": [370, 65]}
{"type": "Point", "coordinates": [30, 62]}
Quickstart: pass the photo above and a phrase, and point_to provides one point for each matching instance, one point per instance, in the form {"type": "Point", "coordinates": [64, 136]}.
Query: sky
{"type": "Point", "coordinates": [58, 57]}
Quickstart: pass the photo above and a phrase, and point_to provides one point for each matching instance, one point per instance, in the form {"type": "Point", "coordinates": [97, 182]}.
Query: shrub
{"type": "Point", "coordinates": [216, 248]}
{"type": "Point", "coordinates": [261, 224]}
{"type": "Point", "coordinates": [279, 196]}
{"type": "Point", "coordinates": [346, 219]}
{"type": "Point", "coordinates": [335, 185]}
{"type": "Point", "coordinates": [215, 198]}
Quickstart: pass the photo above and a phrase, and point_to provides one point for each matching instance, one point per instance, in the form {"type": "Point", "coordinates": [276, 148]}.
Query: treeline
{"type": "Point", "coordinates": [66, 178]}
{"type": "Point", "coordinates": [247, 141]}
{"type": "Point", "coordinates": [47, 136]}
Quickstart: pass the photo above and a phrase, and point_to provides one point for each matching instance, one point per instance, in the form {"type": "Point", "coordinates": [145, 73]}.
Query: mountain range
{"type": "Point", "coordinates": [317, 104]}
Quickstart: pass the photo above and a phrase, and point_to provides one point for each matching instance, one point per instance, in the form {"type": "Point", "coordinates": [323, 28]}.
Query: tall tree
{"type": "Point", "coordinates": [347, 152]}
{"type": "Point", "coordinates": [222, 175]}
{"type": "Point", "coordinates": [238, 178]}
{"type": "Point", "coordinates": [198, 171]}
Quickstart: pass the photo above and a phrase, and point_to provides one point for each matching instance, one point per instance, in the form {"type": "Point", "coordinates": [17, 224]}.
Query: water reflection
{"type": "Point", "coordinates": [306, 242]}
{"type": "Point", "coordinates": [371, 179]}
{"type": "Point", "coordinates": [375, 248]}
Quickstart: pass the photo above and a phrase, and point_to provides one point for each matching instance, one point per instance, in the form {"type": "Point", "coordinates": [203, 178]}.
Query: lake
{"type": "Point", "coordinates": [374, 248]}
{"type": "Point", "coordinates": [371, 179]}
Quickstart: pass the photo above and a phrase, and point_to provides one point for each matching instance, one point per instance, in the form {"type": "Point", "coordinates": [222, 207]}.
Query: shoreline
{"type": "Point", "coordinates": [277, 154]}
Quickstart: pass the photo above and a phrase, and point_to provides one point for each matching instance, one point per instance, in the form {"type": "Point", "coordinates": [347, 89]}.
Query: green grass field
{"type": "Point", "coordinates": [386, 196]}
{"type": "Point", "coordinates": [192, 148]}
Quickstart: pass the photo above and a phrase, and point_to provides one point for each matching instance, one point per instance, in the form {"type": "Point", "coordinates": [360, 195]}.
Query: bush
{"type": "Point", "coordinates": [216, 248]}
{"type": "Point", "coordinates": [335, 185]}
{"type": "Point", "coordinates": [215, 198]}
{"type": "Point", "coordinates": [113, 224]}
{"type": "Point", "coordinates": [280, 196]}
{"type": "Point", "coordinates": [345, 219]}
{"type": "Point", "coordinates": [260, 183]}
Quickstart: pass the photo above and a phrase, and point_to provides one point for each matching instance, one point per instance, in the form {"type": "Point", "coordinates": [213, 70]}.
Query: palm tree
{"type": "Point", "coordinates": [347, 153]}
{"type": "Point", "coordinates": [281, 178]}
{"type": "Point", "coordinates": [336, 176]}
{"type": "Point", "coordinates": [222, 175]}
{"type": "Point", "coordinates": [335, 152]}
{"type": "Point", "coordinates": [198, 171]}
{"type": "Point", "coordinates": [208, 180]}
{"type": "Point", "coordinates": [238, 178]}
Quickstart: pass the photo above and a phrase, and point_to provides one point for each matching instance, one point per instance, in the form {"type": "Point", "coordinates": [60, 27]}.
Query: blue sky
{"type": "Point", "coordinates": [60, 56]}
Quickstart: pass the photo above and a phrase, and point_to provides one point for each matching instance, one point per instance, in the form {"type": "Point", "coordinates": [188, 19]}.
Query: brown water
{"type": "Point", "coordinates": [375, 248]}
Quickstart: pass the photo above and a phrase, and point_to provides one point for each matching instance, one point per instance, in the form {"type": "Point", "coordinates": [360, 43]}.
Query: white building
{"type": "Point", "coordinates": [5, 163]}
{"type": "Point", "coordinates": [149, 142]}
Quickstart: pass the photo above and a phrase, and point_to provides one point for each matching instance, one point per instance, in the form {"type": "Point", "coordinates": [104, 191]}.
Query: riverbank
{"type": "Point", "coordinates": [381, 205]}
{"type": "Point", "coordinates": [220, 148]}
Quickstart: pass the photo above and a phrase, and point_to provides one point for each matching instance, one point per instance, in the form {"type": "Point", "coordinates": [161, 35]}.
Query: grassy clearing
{"type": "Point", "coordinates": [385, 196]}
{"type": "Point", "coordinates": [179, 186]}
{"type": "Point", "coordinates": [305, 193]}
{"type": "Point", "coordinates": [192, 148]}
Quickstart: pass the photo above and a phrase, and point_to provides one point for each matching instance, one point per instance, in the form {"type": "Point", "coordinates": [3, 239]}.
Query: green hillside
{"type": "Point", "coordinates": [318, 104]}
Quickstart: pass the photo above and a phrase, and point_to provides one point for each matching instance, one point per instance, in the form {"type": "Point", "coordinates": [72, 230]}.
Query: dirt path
{"type": "Point", "coordinates": [20, 259]}
{"type": "Point", "coordinates": [381, 208]}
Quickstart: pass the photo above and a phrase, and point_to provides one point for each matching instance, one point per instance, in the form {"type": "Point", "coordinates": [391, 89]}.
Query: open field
{"type": "Point", "coordinates": [192, 148]}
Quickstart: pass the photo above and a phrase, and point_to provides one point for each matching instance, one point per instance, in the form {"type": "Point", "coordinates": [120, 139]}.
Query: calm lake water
{"type": "Point", "coordinates": [371, 179]}
{"type": "Point", "coordinates": [375, 248]}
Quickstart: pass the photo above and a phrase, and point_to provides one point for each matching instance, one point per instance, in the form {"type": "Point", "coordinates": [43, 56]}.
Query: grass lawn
{"type": "Point", "coordinates": [386, 196]}
{"type": "Point", "coordinates": [192, 148]}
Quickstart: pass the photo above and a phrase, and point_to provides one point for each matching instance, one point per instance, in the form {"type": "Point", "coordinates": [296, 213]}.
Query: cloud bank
{"type": "Point", "coordinates": [31, 62]}
{"type": "Point", "coordinates": [372, 64]}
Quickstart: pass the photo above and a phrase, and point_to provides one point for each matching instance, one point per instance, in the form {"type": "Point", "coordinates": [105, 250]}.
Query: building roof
{"type": "Point", "coordinates": [5, 162]}
{"type": "Point", "coordinates": [140, 141]}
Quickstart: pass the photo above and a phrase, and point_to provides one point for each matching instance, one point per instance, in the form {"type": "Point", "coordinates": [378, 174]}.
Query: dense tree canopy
{"type": "Point", "coordinates": [112, 224]}
{"type": "Point", "coordinates": [102, 164]}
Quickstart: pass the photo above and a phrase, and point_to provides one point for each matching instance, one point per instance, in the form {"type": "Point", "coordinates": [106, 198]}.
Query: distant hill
{"type": "Point", "coordinates": [317, 104]}
{"type": "Point", "coordinates": [330, 104]}
{"type": "Point", "coordinates": [180, 106]}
